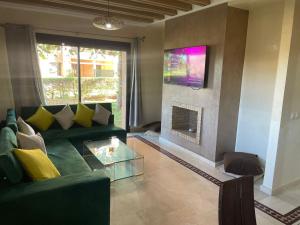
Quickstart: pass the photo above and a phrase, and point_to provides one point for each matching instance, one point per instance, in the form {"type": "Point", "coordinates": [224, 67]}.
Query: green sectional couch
{"type": "Point", "coordinates": [77, 134]}
{"type": "Point", "coordinates": [80, 196]}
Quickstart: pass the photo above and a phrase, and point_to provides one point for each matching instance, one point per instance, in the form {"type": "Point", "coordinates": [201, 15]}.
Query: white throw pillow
{"type": "Point", "coordinates": [35, 141]}
{"type": "Point", "coordinates": [25, 127]}
{"type": "Point", "coordinates": [101, 115]}
{"type": "Point", "coordinates": [65, 117]}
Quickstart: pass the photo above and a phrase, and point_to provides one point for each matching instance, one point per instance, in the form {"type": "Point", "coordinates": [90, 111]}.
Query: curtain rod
{"type": "Point", "coordinates": [82, 33]}
{"type": "Point", "coordinates": [92, 34]}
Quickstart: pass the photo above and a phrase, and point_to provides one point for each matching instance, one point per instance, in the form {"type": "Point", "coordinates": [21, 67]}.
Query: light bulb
{"type": "Point", "coordinates": [108, 25]}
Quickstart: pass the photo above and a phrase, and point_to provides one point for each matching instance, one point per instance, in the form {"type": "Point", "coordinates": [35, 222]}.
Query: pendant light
{"type": "Point", "coordinates": [108, 22]}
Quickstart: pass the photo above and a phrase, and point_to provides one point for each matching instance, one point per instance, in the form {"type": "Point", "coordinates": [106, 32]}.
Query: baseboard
{"type": "Point", "coordinates": [201, 158]}
{"type": "Point", "coordinates": [266, 190]}
{"type": "Point", "coordinates": [274, 191]}
{"type": "Point", "coordinates": [219, 163]}
{"type": "Point", "coordinates": [286, 186]}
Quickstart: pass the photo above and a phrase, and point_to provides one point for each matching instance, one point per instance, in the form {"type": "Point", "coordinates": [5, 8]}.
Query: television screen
{"type": "Point", "coordinates": [185, 66]}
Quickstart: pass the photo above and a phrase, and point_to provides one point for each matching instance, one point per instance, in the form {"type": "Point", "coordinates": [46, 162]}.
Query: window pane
{"type": "Point", "coordinates": [103, 75]}
{"type": "Point", "coordinates": [58, 64]}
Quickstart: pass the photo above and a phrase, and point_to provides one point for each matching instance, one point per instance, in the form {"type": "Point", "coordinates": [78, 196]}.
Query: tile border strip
{"type": "Point", "coordinates": [287, 219]}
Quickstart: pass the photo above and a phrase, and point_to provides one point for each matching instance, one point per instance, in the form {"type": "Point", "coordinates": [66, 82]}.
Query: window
{"type": "Point", "coordinates": [101, 76]}
{"type": "Point", "coordinates": [59, 73]}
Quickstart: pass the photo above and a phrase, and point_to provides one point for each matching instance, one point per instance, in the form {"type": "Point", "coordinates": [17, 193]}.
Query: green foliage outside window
{"type": "Point", "coordinates": [60, 79]}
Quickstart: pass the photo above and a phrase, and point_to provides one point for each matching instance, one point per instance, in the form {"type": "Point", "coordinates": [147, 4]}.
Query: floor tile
{"type": "Point", "coordinates": [170, 194]}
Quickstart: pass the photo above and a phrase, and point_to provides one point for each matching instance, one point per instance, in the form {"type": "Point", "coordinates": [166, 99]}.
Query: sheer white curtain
{"type": "Point", "coordinates": [36, 66]}
{"type": "Point", "coordinates": [23, 65]}
{"type": "Point", "coordinates": [135, 112]}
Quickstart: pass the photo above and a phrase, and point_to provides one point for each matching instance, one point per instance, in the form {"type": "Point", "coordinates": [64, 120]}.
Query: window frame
{"type": "Point", "coordinates": [80, 42]}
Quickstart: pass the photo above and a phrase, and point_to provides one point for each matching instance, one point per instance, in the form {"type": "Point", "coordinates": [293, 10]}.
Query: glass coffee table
{"type": "Point", "coordinates": [114, 157]}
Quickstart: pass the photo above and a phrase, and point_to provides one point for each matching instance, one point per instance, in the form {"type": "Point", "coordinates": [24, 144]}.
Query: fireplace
{"type": "Point", "coordinates": [186, 122]}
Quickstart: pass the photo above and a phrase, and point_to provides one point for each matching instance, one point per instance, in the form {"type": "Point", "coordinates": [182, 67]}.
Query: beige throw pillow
{"type": "Point", "coordinates": [35, 141]}
{"type": "Point", "coordinates": [101, 115]}
{"type": "Point", "coordinates": [25, 127]}
{"type": "Point", "coordinates": [65, 117]}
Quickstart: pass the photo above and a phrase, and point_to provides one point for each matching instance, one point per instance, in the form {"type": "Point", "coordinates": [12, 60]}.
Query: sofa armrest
{"type": "Point", "coordinates": [74, 199]}
{"type": "Point", "coordinates": [11, 120]}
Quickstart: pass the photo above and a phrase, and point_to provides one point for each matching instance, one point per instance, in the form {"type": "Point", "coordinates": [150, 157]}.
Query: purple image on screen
{"type": "Point", "coordinates": [185, 66]}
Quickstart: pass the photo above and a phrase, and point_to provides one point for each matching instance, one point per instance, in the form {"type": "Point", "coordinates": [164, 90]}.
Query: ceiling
{"type": "Point", "coordinates": [249, 4]}
{"type": "Point", "coordinates": [142, 11]}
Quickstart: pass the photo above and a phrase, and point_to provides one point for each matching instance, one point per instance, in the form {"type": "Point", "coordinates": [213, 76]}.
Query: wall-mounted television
{"type": "Point", "coordinates": [186, 66]}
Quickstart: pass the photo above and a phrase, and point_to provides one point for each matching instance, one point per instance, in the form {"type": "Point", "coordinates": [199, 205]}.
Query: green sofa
{"type": "Point", "coordinates": [76, 134]}
{"type": "Point", "coordinates": [80, 196]}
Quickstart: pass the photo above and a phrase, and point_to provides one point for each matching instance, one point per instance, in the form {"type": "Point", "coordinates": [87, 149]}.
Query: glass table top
{"type": "Point", "coordinates": [111, 151]}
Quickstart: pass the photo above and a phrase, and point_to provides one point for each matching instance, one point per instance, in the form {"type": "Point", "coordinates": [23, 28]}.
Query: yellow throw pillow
{"type": "Point", "coordinates": [84, 115]}
{"type": "Point", "coordinates": [42, 119]}
{"type": "Point", "coordinates": [36, 164]}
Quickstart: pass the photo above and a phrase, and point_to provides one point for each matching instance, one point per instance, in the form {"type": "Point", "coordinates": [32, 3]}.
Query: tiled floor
{"type": "Point", "coordinates": [282, 202]}
{"type": "Point", "coordinates": [169, 193]}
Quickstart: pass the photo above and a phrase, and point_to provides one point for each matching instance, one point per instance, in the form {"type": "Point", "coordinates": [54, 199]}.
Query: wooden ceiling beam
{"type": "Point", "coordinates": [114, 9]}
{"type": "Point", "coordinates": [197, 2]}
{"type": "Point", "coordinates": [145, 11]}
{"type": "Point", "coordinates": [89, 11]}
{"type": "Point", "coordinates": [170, 4]}
{"type": "Point", "coordinates": [137, 6]}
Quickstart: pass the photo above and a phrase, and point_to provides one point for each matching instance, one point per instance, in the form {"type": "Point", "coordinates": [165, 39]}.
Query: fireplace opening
{"type": "Point", "coordinates": [185, 121]}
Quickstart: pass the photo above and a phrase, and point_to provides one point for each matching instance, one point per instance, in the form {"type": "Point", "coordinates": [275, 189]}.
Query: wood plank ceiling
{"type": "Point", "coordinates": [145, 11]}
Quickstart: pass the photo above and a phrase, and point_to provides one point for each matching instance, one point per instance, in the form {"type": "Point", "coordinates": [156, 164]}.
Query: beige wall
{"type": "Point", "coordinates": [282, 156]}
{"type": "Point", "coordinates": [182, 32]}
{"type": "Point", "coordinates": [269, 109]}
{"type": "Point", "coordinates": [151, 49]}
{"type": "Point", "coordinates": [212, 27]}
{"type": "Point", "coordinates": [233, 64]}
{"type": "Point", "coordinates": [152, 72]}
{"type": "Point", "coordinates": [288, 157]}
{"type": "Point", "coordinates": [260, 68]}
{"type": "Point", "coordinates": [6, 95]}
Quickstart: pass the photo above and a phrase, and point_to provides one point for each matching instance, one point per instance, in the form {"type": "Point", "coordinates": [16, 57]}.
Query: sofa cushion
{"type": "Point", "coordinates": [84, 115]}
{"type": "Point", "coordinates": [31, 141]}
{"type": "Point", "coordinates": [42, 119]}
{"type": "Point", "coordinates": [66, 158]}
{"type": "Point", "coordinates": [36, 164]}
{"type": "Point", "coordinates": [28, 111]}
{"type": "Point", "coordinates": [24, 127]}
{"type": "Point", "coordinates": [65, 117]}
{"type": "Point", "coordinates": [92, 133]}
{"type": "Point", "coordinates": [10, 169]}
{"type": "Point", "coordinates": [101, 115]}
